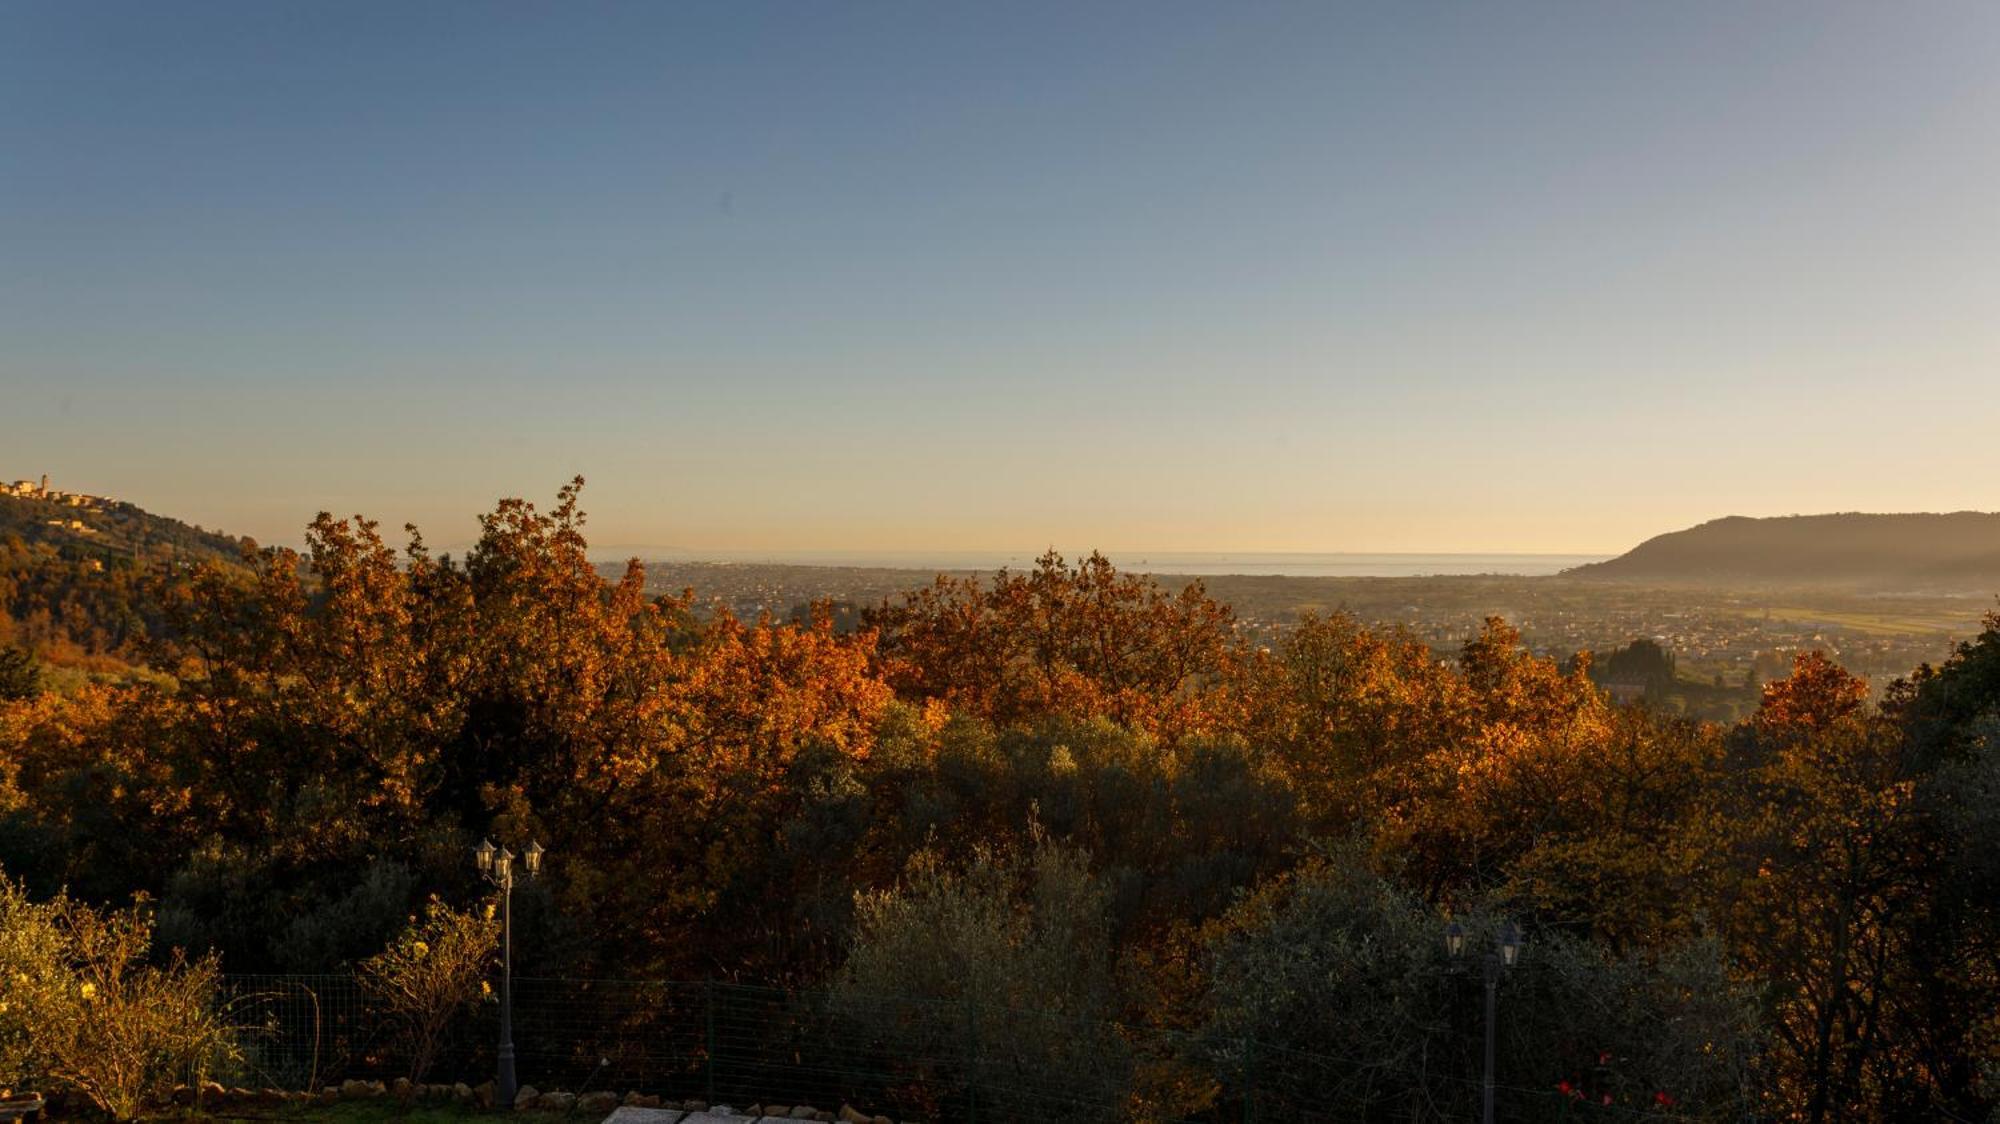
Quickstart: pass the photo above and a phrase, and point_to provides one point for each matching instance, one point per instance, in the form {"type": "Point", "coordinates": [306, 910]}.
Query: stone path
{"type": "Point", "coordinates": [630, 1114]}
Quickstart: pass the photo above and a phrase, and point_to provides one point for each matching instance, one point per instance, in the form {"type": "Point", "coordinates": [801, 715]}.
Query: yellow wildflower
{"type": "Point", "coordinates": [89, 990]}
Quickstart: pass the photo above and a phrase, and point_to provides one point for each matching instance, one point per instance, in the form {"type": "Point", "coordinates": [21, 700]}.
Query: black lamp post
{"type": "Point", "coordinates": [1505, 951]}
{"type": "Point", "coordinates": [496, 865]}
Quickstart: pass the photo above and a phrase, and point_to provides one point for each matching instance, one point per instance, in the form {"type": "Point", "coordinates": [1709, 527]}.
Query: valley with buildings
{"type": "Point", "coordinates": [1726, 642]}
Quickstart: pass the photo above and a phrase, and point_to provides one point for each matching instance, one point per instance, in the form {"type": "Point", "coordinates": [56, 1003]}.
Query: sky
{"type": "Point", "coordinates": [905, 277]}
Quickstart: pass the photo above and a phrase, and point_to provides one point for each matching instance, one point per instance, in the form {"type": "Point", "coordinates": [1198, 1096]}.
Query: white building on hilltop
{"type": "Point", "coordinates": [32, 490]}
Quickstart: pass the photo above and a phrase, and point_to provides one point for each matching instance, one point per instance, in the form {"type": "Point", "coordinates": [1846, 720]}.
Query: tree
{"type": "Point", "coordinates": [1012, 954]}
{"type": "Point", "coordinates": [1076, 641]}
{"type": "Point", "coordinates": [1830, 861]}
{"type": "Point", "coordinates": [20, 677]}
{"type": "Point", "coordinates": [1329, 992]}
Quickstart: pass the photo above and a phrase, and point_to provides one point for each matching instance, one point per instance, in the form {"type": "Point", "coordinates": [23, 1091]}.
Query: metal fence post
{"type": "Point", "coordinates": [971, 1060]}
{"type": "Point", "coordinates": [709, 991]}
{"type": "Point", "coordinates": [1249, 1080]}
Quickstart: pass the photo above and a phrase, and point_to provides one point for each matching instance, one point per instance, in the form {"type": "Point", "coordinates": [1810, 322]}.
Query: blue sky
{"type": "Point", "coordinates": [935, 277]}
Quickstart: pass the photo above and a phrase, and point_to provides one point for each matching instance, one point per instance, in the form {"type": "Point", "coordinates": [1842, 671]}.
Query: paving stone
{"type": "Point", "coordinates": [633, 1114]}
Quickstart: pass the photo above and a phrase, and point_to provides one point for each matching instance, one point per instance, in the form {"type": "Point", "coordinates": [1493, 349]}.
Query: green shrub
{"type": "Point", "coordinates": [991, 985]}
{"type": "Point", "coordinates": [1331, 991]}
{"type": "Point", "coordinates": [87, 1011]}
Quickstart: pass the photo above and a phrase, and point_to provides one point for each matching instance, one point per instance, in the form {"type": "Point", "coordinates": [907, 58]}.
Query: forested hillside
{"type": "Point", "coordinates": [87, 586]}
{"type": "Point", "coordinates": [1960, 550]}
{"type": "Point", "coordinates": [110, 529]}
{"type": "Point", "coordinates": [1067, 790]}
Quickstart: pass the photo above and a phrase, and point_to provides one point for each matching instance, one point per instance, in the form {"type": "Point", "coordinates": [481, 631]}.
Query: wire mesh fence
{"type": "Point", "coordinates": [908, 1057]}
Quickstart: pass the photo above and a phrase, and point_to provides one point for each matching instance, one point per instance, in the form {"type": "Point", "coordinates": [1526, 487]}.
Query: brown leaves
{"type": "Point", "coordinates": [1065, 641]}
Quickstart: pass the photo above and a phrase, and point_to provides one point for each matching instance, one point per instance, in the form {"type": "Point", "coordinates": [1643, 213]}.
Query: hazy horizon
{"type": "Point", "coordinates": [1280, 278]}
{"type": "Point", "coordinates": [1189, 563]}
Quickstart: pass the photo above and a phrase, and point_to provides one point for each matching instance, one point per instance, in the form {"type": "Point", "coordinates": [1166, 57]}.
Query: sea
{"type": "Point", "coordinates": [1197, 563]}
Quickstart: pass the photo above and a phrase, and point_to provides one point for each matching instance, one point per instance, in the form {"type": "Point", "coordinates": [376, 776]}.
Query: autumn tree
{"type": "Point", "coordinates": [1079, 641]}
{"type": "Point", "coordinates": [1830, 860]}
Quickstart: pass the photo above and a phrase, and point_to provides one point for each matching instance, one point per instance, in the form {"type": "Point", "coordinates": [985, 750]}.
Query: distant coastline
{"type": "Point", "coordinates": [1194, 563]}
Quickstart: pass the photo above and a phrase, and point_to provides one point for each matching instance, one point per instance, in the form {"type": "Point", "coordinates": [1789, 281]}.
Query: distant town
{"type": "Point", "coordinates": [1725, 643]}
{"type": "Point", "coordinates": [40, 490]}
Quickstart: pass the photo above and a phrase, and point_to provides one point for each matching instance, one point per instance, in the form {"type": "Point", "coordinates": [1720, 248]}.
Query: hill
{"type": "Point", "coordinates": [1959, 550]}
{"type": "Point", "coordinates": [81, 576]}
{"type": "Point", "coordinates": [106, 529]}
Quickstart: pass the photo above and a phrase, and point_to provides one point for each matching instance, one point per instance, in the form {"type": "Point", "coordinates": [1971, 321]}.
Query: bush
{"type": "Point", "coordinates": [31, 956]}
{"type": "Point", "coordinates": [1330, 991]}
{"type": "Point", "coordinates": [431, 973]}
{"type": "Point", "coordinates": [85, 1010]}
{"type": "Point", "coordinates": [993, 985]}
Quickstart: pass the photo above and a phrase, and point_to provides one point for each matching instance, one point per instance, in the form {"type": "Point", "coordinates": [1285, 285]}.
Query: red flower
{"type": "Point", "coordinates": [1607, 1098]}
{"type": "Point", "coordinates": [1662, 1099]}
{"type": "Point", "coordinates": [1562, 1086]}
{"type": "Point", "coordinates": [1604, 1057]}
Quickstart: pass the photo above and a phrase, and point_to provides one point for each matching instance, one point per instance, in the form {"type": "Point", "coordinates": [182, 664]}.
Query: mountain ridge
{"type": "Point", "coordinates": [1958, 549]}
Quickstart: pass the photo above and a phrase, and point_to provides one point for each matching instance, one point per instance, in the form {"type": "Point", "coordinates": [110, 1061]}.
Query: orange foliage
{"type": "Point", "coordinates": [1076, 642]}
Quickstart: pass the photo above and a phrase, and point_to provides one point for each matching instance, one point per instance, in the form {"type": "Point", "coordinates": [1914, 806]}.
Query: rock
{"type": "Point", "coordinates": [805, 1112]}
{"type": "Point", "coordinates": [631, 1098]}
{"type": "Point", "coordinates": [328, 1095]}
{"type": "Point", "coordinates": [851, 1115]}
{"type": "Point", "coordinates": [556, 1102]}
{"type": "Point", "coordinates": [695, 1106]}
{"type": "Point", "coordinates": [777, 1110]}
{"type": "Point", "coordinates": [825, 1116]}
{"type": "Point", "coordinates": [483, 1094]}
{"type": "Point", "coordinates": [401, 1088]}
{"type": "Point", "coordinates": [377, 1089]}
{"type": "Point", "coordinates": [884, 1120]}
{"type": "Point", "coordinates": [525, 1096]}
{"type": "Point", "coordinates": [602, 1101]}
{"type": "Point", "coordinates": [182, 1095]}
{"type": "Point", "coordinates": [461, 1091]}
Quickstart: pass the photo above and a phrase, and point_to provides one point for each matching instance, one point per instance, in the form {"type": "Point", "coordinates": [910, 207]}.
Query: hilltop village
{"type": "Point", "coordinates": [40, 490]}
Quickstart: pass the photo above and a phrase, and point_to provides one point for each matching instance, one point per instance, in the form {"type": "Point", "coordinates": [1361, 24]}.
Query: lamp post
{"type": "Point", "coordinates": [496, 865]}
{"type": "Point", "coordinates": [1506, 949]}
